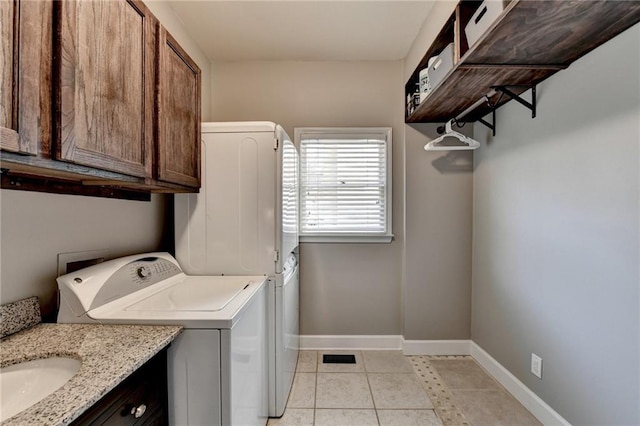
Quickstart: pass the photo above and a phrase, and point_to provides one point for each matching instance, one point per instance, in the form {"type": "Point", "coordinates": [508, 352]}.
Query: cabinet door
{"type": "Point", "coordinates": [25, 63]}
{"type": "Point", "coordinates": [105, 92]}
{"type": "Point", "coordinates": [8, 53]}
{"type": "Point", "coordinates": [178, 114]}
{"type": "Point", "coordinates": [145, 387]}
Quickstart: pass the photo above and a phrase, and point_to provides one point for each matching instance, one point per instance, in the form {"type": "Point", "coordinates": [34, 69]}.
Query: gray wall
{"type": "Point", "coordinates": [35, 227]}
{"type": "Point", "coordinates": [346, 289]}
{"type": "Point", "coordinates": [556, 237]}
{"type": "Point", "coordinates": [437, 289]}
{"type": "Point", "coordinates": [437, 269]}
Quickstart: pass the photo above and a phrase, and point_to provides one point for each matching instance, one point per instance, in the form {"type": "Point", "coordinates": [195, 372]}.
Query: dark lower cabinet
{"type": "Point", "coordinates": [139, 400]}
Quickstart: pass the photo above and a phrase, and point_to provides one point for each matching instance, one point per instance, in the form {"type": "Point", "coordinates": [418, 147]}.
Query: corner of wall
{"type": "Point", "coordinates": [438, 15]}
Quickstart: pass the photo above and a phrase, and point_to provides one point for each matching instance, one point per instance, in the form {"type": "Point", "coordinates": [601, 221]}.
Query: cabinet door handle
{"type": "Point", "coordinates": [138, 411]}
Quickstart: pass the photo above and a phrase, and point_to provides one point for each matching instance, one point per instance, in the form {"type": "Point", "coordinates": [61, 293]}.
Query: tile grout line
{"type": "Point", "coordinates": [315, 389]}
{"type": "Point", "coordinates": [373, 400]}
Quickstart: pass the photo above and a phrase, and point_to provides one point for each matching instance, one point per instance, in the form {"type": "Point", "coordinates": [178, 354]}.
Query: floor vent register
{"type": "Point", "coordinates": [338, 359]}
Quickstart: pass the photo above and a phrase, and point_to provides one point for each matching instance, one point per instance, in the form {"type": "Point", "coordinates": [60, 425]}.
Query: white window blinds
{"type": "Point", "coordinates": [345, 182]}
{"type": "Point", "coordinates": [289, 188]}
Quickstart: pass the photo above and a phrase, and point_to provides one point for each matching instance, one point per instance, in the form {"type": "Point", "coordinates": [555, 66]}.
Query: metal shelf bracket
{"type": "Point", "coordinates": [530, 105]}
{"type": "Point", "coordinates": [492, 125]}
{"type": "Point", "coordinates": [503, 90]}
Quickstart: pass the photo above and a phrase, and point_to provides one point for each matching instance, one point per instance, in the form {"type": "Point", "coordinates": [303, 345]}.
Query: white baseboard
{"type": "Point", "coordinates": [435, 347]}
{"type": "Point", "coordinates": [326, 342]}
{"type": "Point", "coordinates": [532, 402]}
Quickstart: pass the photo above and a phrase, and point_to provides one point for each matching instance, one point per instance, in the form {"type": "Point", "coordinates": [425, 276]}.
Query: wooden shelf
{"type": "Point", "coordinates": [468, 83]}
{"type": "Point", "coordinates": [527, 43]}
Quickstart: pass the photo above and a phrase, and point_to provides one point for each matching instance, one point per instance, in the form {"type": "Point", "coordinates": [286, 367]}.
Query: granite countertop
{"type": "Point", "coordinates": [109, 354]}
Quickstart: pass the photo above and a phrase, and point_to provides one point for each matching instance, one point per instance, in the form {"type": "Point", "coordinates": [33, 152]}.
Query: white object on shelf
{"type": "Point", "coordinates": [441, 65]}
{"type": "Point", "coordinates": [425, 84]}
{"type": "Point", "coordinates": [482, 19]}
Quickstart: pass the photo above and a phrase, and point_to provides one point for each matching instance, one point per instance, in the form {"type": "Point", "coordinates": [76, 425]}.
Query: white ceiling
{"type": "Point", "coordinates": [320, 30]}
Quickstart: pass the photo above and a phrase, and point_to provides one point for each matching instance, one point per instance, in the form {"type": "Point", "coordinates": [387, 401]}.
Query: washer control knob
{"type": "Point", "coordinates": [144, 271]}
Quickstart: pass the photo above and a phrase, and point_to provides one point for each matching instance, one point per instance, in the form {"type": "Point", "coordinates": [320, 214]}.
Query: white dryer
{"type": "Point", "coordinates": [218, 366]}
{"type": "Point", "coordinates": [244, 221]}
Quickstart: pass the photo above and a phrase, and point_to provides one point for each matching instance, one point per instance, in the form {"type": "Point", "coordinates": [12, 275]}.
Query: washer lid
{"type": "Point", "coordinates": [164, 303]}
{"type": "Point", "coordinates": [193, 294]}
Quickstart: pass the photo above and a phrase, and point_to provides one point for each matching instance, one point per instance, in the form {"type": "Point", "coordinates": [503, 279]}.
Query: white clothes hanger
{"type": "Point", "coordinates": [449, 132]}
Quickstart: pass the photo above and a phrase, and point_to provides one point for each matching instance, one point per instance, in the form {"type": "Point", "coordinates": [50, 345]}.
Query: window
{"type": "Point", "coordinates": [345, 184]}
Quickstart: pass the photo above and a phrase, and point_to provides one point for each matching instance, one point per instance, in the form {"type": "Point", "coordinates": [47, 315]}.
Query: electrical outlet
{"type": "Point", "coordinates": [536, 365]}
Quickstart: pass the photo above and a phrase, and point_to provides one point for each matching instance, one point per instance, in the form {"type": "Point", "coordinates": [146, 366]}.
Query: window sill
{"type": "Point", "coordinates": [340, 239]}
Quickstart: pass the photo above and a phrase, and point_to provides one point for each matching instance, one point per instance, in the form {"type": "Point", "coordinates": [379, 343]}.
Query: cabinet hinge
{"type": "Point", "coordinates": [276, 144]}
{"type": "Point", "coordinates": [276, 255]}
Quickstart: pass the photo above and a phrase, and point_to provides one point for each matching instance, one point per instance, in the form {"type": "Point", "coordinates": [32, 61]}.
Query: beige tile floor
{"type": "Point", "coordinates": [387, 388]}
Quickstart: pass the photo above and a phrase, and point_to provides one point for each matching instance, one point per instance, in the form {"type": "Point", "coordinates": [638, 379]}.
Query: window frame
{"type": "Point", "coordinates": [350, 237]}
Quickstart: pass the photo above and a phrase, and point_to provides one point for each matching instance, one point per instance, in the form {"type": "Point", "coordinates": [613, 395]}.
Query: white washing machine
{"type": "Point", "coordinates": [218, 366]}
{"type": "Point", "coordinates": [284, 334]}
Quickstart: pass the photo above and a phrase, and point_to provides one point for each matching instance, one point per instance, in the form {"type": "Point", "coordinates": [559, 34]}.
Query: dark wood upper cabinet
{"type": "Point", "coordinates": [105, 97]}
{"type": "Point", "coordinates": [178, 114]}
{"type": "Point", "coordinates": [527, 43]}
{"type": "Point", "coordinates": [96, 98]}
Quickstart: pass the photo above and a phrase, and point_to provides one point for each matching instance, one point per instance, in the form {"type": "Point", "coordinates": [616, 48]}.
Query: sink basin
{"type": "Point", "coordinates": [24, 384]}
